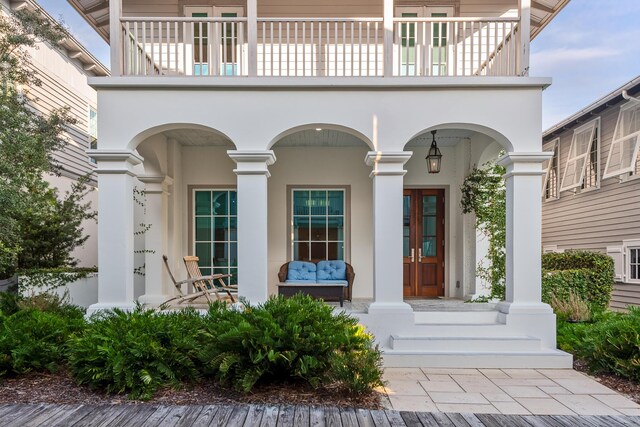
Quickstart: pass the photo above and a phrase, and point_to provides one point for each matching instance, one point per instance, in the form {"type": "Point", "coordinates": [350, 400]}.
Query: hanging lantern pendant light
{"type": "Point", "coordinates": [434, 158]}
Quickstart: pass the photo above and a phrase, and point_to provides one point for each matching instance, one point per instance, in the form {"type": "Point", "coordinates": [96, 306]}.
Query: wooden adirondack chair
{"type": "Point", "coordinates": [193, 271]}
{"type": "Point", "coordinates": [199, 285]}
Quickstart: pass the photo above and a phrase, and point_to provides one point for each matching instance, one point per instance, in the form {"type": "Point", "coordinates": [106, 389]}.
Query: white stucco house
{"type": "Point", "coordinates": [264, 132]}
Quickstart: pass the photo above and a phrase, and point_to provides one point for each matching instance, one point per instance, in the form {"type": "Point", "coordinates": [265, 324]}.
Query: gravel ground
{"type": "Point", "coordinates": [622, 385]}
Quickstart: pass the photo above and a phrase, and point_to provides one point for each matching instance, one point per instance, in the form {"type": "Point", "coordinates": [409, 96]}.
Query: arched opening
{"type": "Point", "coordinates": [320, 200]}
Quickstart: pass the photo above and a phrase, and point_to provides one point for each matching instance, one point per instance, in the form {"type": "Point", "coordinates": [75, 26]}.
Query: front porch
{"type": "Point", "coordinates": [247, 189]}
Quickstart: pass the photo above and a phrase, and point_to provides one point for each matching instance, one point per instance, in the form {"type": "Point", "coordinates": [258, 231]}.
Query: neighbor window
{"type": "Point", "coordinates": [550, 182]}
{"type": "Point", "coordinates": [623, 154]}
{"type": "Point", "coordinates": [317, 224]}
{"type": "Point", "coordinates": [634, 264]}
{"type": "Point", "coordinates": [579, 158]}
{"type": "Point", "coordinates": [215, 231]}
{"type": "Point", "coordinates": [93, 131]}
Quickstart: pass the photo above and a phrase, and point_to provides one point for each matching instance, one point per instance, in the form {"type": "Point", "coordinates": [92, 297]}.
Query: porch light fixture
{"type": "Point", "coordinates": [434, 157]}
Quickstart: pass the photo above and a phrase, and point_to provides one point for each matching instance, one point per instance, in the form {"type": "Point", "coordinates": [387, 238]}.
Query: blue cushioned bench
{"type": "Point", "coordinates": [326, 279]}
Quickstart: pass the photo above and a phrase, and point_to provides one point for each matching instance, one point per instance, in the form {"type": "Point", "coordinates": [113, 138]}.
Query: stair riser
{"type": "Point", "coordinates": [488, 344]}
{"type": "Point", "coordinates": [496, 330]}
{"type": "Point", "coordinates": [430, 317]}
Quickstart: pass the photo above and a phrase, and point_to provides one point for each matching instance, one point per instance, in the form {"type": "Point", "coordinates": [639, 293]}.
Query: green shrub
{"type": "Point", "coordinates": [297, 338]}
{"type": "Point", "coordinates": [136, 352]}
{"type": "Point", "coordinates": [588, 274]}
{"type": "Point", "coordinates": [32, 339]}
{"type": "Point", "coordinates": [613, 345]}
{"type": "Point", "coordinates": [574, 308]}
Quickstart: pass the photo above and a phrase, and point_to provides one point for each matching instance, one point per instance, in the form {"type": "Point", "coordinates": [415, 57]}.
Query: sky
{"type": "Point", "coordinates": [591, 48]}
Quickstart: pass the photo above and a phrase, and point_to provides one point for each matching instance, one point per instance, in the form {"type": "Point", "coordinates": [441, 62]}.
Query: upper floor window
{"type": "Point", "coordinates": [551, 176]}
{"type": "Point", "coordinates": [318, 224]}
{"type": "Point", "coordinates": [623, 154]}
{"type": "Point", "coordinates": [634, 265]}
{"type": "Point", "coordinates": [93, 131]}
{"type": "Point", "coordinates": [580, 157]}
{"type": "Point", "coordinates": [592, 170]}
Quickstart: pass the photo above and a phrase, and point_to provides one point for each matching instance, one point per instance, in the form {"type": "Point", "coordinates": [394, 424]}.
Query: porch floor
{"type": "Point", "coordinates": [435, 304]}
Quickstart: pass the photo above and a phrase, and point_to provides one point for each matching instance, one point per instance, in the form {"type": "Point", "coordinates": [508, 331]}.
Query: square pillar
{"type": "Point", "coordinates": [115, 228]}
{"type": "Point", "coordinates": [388, 182]}
{"type": "Point", "coordinates": [156, 239]}
{"type": "Point", "coordinates": [252, 171]}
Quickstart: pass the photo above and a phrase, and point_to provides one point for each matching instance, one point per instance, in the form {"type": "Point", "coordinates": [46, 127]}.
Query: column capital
{"type": "Point", "coordinates": [252, 162]}
{"type": "Point", "coordinates": [524, 163]}
{"type": "Point", "coordinates": [115, 161]}
{"type": "Point", "coordinates": [387, 162]}
{"type": "Point", "coordinates": [156, 183]}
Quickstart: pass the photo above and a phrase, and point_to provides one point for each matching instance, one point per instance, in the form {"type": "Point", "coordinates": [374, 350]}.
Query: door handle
{"type": "Point", "coordinates": [413, 255]}
{"type": "Point", "coordinates": [419, 254]}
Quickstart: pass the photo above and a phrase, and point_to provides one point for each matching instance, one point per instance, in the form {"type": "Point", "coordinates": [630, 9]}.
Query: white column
{"type": "Point", "coordinates": [115, 36]}
{"type": "Point", "coordinates": [524, 227]}
{"type": "Point", "coordinates": [387, 39]}
{"type": "Point", "coordinates": [115, 228]}
{"type": "Point", "coordinates": [252, 171]}
{"type": "Point", "coordinates": [252, 36]}
{"type": "Point", "coordinates": [525, 35]}
{"type": "Point", "coordinates": [156, 239]}
{"type": "Point", "coordinates": [388, 172]}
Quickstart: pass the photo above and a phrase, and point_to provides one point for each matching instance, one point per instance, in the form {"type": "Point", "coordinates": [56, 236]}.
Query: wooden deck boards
{"type": "Point", "coordinates": [268, 416]}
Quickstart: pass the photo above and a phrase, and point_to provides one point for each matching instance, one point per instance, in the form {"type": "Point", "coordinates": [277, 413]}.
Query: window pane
{"type": "Point", "coordinates": [318, 250]}
{"type": "Point", "coordinates": [301, 228]}
{"type": "Point", "coordinates": [335, 202]}
{"type": "Point", "coordinates": [429, 205]}
{"type": "Point", "coordinates": [203, 203]}
{"type": "Point", "coordinates": [429, 247]}
{"type": "Point", "coordinates": [233, 254]}
{"type": "Point", "coordinates": [336, 251]}
{"type": "Point", "coordinates": [301, 251]}
{"type": "Point", "coordinates": [233, 280]}
{"type": "Point", "coordinates": [233, 203]}
{"type": "Point", "coordinates": [318, 228]}
{"type": "Point", "coordinates": [203, 228]}
{"type": "Point", "coordinates": [221, 230]}
{"type": "Point", "coordinates": [203, 252]}
{"type": "Point", "coordinates": [233, 229]}
{"type": "Point", "coordinates": [300, 202]}
{"type": "Point", "coordinates": [634, 253]}
{"type": "Point", "coordinates": [429, 226]}
{"type": "Point", "coordinates": [335, 228]}
{"type": "Point", "coordinates": [220, 205]}
{"type": "Point", "coordinates": [205, 271]}
{"type": "Point", "coordinates": [220, 254]}
{"type": "Point", "coordinates": [318, 203]}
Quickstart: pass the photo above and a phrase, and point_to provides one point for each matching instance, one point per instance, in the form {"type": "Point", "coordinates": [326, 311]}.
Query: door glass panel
{"type": "Point", "coordinates": [429, 225]}
{"type": "Point", "coordinates": [408, 46]}
{"type": "Point", "coordinates": [429, 247]}
{"type": "Point", "coordinates": [200, 46]}
{"type": "Point", "coordinates": [429, 204]}
{"type": "Point", "coordinates": [406, 225]}
{"type": "Point", "coordinates": [439, 46]}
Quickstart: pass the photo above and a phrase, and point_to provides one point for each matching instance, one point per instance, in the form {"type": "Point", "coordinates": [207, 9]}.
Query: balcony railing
{"type": "Point", "coordinates": [320, 47]}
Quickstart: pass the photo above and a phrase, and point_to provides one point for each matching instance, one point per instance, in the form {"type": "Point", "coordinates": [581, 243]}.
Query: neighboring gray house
{"type": "Point", "coordinates": [591, 189]}
{"type": "Point", "coordinates": [63, 70]}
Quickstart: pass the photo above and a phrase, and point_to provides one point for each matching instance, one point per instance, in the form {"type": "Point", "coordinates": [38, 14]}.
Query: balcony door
{"type": "Point", "coordinates": [423, 243]}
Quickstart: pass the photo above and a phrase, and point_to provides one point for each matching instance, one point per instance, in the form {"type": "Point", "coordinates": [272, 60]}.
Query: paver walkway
{"type": "Point", "coordinates": [503, 391]}
{"type": "Point", "coordinates": [295, 416]}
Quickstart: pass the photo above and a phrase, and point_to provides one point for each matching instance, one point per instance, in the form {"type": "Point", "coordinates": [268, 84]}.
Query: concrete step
{"type": "Point", "coordinates": [462, 330]}
{"type": "Point", "coordinates": [546, 358]}
{"type": "Point", "coordinates": [465, 343]}
{"type": "Point", "coordinates": [456, 317]}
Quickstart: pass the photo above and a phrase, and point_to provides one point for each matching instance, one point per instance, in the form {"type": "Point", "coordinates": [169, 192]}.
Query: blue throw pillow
{"type": "Point", "coordinates": [301, 270]}
{"type": "Point", "coordinates": [332, 270]}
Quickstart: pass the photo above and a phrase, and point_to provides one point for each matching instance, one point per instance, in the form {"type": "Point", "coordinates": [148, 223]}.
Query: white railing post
{"type": "Point", "coordinates": [387, 50]}
{"type": "Point", "coordinates": [525, 37]}
{"type": "Point", "coordinates": [115, 36]}
{"type": "Point", "coordinates": [252, 37]}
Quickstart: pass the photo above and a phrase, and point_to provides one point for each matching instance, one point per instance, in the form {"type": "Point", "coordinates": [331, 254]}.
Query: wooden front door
{"type": "Point", "coordinates": [423, 243]}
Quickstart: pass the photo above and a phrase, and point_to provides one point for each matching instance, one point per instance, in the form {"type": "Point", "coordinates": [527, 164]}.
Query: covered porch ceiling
{"type": "Point", "coordinates": [96, 13]}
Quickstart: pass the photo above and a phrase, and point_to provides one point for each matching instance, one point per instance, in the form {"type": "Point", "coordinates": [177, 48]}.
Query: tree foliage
{"type": "Point", "coordinates": [484, 194]}
{"type": "Point", "coordinates": [28, 140]}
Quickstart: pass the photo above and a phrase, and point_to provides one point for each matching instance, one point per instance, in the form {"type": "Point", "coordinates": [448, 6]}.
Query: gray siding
{"type": "Point", "coordinates": [597, 218]}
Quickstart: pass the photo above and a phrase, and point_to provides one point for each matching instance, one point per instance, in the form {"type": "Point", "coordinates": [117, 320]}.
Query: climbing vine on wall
{"type": "Point", "coordinates": [484, 194]}
{"type": "Point", "coordinates": [140, 198]}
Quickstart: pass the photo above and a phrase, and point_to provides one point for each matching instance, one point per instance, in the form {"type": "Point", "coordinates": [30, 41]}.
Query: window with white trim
{"type": "Point", "coordinates": [623, 154]}
{"type": "Point", "coordinates": [550, 166]}
{"type": "Point", "coordinates": [592, 170]}
{"type": "Point", "coordinates": [579, 156]}
{"type": "Point", "coordinates": [634, 264]}
{"type": "Point", "coordinates": [317, 224]}
{"type": "Point", "coordinates": [215, 231]}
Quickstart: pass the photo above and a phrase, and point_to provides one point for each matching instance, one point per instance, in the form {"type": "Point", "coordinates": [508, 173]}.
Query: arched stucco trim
{"type": "Point", "coordinates": [495, 135]}
{"type": "Point", "coordinates": [140, 137]}
{"type": "Point", "coordinates": [308, 126]}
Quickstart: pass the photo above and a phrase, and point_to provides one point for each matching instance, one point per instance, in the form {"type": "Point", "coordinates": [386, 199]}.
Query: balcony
{"type": "Point", "coordinates": [322, 47]}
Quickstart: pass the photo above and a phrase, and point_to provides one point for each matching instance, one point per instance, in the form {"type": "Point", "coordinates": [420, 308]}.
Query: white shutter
{"type": "Point", "coordinates": [547, 164]}
{"type": "Point", "coordinates": [626, 142]}
{"type": "Point", "coordinates": [617, 254]}
{"type": "Point", "coordinates": [578, 156]}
